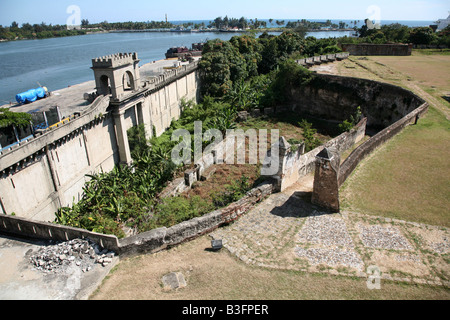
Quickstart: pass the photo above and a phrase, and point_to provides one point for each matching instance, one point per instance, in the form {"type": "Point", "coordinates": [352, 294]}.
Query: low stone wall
{"type": "Point", "coordinates": [297, 164]}
{"type": "Point", "coordinates": [380, 138]}
{"type": "Point", "coordinates": [162, 238]}
{"type": "Point", "coordinates": [317, 60]}
{"type": "Point", "coordinates": [147, 242]}
{"type": "Point", "coordinates": [369, 49]}
{"type": "Point", "coordinates": [21, 227]}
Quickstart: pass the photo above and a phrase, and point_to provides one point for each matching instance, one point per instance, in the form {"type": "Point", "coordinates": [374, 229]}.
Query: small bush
{"type": "Point", "coordinates": [232, 193]}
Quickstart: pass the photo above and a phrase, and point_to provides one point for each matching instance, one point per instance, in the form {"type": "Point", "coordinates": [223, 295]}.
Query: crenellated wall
{"type": "Point", "coordinates": [49, 171]}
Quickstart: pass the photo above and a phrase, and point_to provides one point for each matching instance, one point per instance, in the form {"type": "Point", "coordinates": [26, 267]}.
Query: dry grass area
{"type": "Point", "coordinates": [288, 126]}
{"type": "Point", "coordinates": [224, 175]}
{"type": "Point", "coordinates": [409, 177]}
{"type": "Point", "coordinates": [220, 276]}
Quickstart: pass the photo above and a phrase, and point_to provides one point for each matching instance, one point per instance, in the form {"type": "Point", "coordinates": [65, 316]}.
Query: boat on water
{"type": "Point", "coordinates": [180, 29]}
{"type": "Point", "coordinates": [184, 52]}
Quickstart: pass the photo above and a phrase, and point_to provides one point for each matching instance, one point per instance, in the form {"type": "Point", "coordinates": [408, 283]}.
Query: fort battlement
{"type": "Point", "coordinates": [115, 60]}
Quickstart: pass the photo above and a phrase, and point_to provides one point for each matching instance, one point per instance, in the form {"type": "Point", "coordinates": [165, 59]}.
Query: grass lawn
{"type": "Point", "coordinates": [408, 178]}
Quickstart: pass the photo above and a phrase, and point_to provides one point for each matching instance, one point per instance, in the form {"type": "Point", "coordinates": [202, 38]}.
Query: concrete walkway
{"type": "Point", "coordinates": [71, 99]}
{"type": "Point", "coordinates": [288, 232]}
{"type": "Point", "coordinates": [19, 280]}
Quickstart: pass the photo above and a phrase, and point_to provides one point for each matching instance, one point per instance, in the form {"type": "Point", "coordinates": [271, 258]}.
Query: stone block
{"type": "Point", "coordinates": [268, 111]}
{"type": "Point", "coordinates": [256, 113]}
{"type": "Point", "coordinates": [190, 176]}
{"type": "Point", "coordinates": [208, 174]}
{"type": "Point", "coordinates": [174, 280]}
{"type": "Point", "coordinates": [242, 116]}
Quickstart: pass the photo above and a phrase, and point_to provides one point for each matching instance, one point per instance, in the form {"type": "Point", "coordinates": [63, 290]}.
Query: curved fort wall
{"type": "Point", "coordinates": [387, 109]}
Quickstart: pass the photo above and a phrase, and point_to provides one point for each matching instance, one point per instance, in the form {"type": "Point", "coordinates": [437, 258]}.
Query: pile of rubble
{"type": "Point", "coordinates": [81, 253]}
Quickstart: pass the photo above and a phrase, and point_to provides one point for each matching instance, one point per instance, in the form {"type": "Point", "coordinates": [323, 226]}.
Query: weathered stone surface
{"type": "Point", "coordinates": [326, 185]}
{"type": "Point", "coordinates": [174, 280]}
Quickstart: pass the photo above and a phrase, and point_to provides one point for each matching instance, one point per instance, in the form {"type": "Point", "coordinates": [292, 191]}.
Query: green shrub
{"type": "Point", "coordinates": [174, 210]}
{"type": "Point", "coordinates": [311, 142]}
{"type": "Point", "coordinates": [349, 124]}
{"type": "Point", "coordinates": [232, 193]}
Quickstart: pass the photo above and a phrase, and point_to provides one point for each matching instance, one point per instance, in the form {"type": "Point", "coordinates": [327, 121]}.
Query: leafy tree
{"type": "Point", "coordinates": [221, 65]}
{"type": "Point", "coordinates": [18, 119]}
{"type": "Point", "coordinates": [422, 35]}
{"type": "Point", "coordinates": [289, 75]}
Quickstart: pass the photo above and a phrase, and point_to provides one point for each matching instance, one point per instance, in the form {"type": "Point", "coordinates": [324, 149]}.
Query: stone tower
{"type": "Point", "coordinates": [326, 186]}
{"type": "Point", "coordinates": [116, 74]}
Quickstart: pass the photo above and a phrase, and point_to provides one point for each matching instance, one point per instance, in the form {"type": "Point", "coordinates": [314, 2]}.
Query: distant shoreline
{"type": "Point", "coordinates": [187, 31]}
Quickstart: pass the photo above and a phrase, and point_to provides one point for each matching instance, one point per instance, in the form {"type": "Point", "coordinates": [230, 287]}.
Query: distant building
{"type": "Point", "coordinates": [443, 23]}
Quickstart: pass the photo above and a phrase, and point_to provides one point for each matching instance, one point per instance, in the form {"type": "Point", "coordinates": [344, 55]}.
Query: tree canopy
{"type": "Point", "coordinates": [9, 118]}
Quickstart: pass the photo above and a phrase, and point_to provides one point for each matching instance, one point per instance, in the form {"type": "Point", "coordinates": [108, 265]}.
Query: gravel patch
{"type": "Point", "coordinates": [408, 258]}
{"type": "Point", "coordinates": [62, 256]}
{"type": "Point", "coordinates": [383, 238]}
{"type": "Point", "coordinates": [441, 247]}
{"type": "Point", "coordinates": [326, 229]}
{"type": "Point", "coordinates": [331, 257]}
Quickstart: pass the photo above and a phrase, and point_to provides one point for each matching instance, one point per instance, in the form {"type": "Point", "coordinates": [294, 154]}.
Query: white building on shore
{"type": "Point", "coordinates": [443, 23]}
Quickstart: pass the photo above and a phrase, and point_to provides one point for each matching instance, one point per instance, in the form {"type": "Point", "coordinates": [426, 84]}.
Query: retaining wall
{"type": "Point", "coordinates": [369, 49]}
{"type": "Point", "coordinates": [26, 228]}
{"type": "Point", "coordinates": [379, 139]}
{"type": "Point", "coordinates": [159, 239]}
{"type": "Point", "coordinates": [147, 242]}
{"type": "Point", "coordinates": [297, 164]}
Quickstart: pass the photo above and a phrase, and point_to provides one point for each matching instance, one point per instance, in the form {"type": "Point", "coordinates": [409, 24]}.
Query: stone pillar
{"type": "Point", "coordinates": [326, 185]}
{"type": "Point", "coordinates": [143, 117]}
{"type": "Point", "coordinates": [122, 138]}
{"type": "Point", "coordinates": [274, 163]}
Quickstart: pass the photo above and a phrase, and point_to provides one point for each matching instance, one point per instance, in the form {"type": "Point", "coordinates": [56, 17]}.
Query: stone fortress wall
{"type": "Point", "coordinates": [48, 172]}
{"type": "Point", "coordinates": [370, 49]}
{"type": "Point", "coordinates": [386, 108]}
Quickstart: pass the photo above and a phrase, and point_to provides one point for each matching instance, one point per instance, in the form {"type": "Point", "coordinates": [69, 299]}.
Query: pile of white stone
{"type": "Point", "coordinates": [81, 253]}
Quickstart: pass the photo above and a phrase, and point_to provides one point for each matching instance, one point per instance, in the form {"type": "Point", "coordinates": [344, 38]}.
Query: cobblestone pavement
{"type": "Point", "coordinates": [287, 232]}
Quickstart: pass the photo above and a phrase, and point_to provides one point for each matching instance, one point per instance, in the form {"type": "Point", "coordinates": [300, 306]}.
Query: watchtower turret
{"type": "Point", "coordinates": [115, 74]}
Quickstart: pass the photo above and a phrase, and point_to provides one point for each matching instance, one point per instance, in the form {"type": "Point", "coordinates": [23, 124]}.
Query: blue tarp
{"type": "Point", "coordinates": [31, 95]}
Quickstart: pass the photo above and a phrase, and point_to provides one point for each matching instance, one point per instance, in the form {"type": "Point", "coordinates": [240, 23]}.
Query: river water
{"type": "Point", "coordinates": [60, 62]}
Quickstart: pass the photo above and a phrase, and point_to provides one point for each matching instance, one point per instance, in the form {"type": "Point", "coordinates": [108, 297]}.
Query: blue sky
{"type": "Point", "coordinates": [54, 11]}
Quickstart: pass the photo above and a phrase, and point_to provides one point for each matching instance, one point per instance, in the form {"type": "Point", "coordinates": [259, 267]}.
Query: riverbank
{"type": "Point", "coordinates": [237, 31]}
